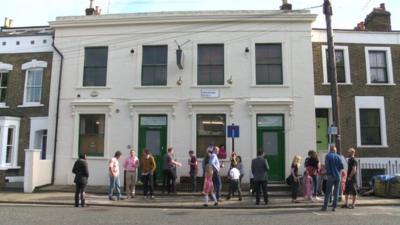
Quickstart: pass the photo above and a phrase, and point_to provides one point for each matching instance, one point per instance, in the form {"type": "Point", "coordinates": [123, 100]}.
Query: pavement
{"type": "Point", "coordinates": [61, 195]}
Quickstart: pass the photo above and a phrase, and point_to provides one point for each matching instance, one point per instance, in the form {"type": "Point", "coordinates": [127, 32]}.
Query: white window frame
{"type": "Point", "coordinates": [81, 68]}
{"type": "Point", "coordinates": [195, 64]}
{"type": "Point", "coordinates": [26, 102]}
{"type": "Point", "coordinates": [3, 104]}
{"type": "Point", "coordinates": [286, 52]}
{"type": "Point", "coordinates": [34, 65]}
{"type": "Point", "coordinates": [138, 79]}
{"type": "Point", "coordinates": [389, 65]}
{"type": "Point", "coordinates": [5, 123]}
{"type": "Point", "coordinates": [371, 102]}
{"type": "Point", "coordinates": [347, 72]}
{"type": "Point", "coordinates": [91, 107]}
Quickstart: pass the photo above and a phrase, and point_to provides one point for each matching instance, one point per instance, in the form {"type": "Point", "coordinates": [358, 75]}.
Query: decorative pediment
{"type": "Point", "coordinates": [34, 64]}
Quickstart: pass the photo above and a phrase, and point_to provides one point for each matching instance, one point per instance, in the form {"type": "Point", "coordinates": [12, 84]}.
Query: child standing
{"type": "Point", "coordinates": [308, 185]}
{"type": "Point", "coordinates": [208, 187]}
{"type": "Point", "coordinates": [234, 176]}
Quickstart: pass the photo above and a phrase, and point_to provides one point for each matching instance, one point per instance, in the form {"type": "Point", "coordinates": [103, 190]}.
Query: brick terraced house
{"type": "Point", "coordinates": [26, 56]}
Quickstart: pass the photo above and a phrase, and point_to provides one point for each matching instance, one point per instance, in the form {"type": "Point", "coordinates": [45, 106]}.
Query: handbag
{"type": "Point", "coordinates": [289, 180]}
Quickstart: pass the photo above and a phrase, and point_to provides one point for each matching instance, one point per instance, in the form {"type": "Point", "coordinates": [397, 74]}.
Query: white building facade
{"type": "Point", "coordinates": [124, 87]}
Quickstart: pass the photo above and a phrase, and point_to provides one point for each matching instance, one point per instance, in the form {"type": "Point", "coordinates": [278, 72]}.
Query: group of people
{"type": "Point", "coordinates": [330, 178]}
{"type": "Point", "coordinates": [336, 177]}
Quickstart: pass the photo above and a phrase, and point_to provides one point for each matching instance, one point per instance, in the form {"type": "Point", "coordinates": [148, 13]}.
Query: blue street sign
{"type": "Point", "coordinates": [233, 131]}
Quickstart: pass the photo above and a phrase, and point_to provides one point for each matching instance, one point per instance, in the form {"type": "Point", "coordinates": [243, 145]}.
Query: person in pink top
{"type": "Point", "coordinates": [308, 185]}
{"type": "Point", "coordinates": [208, 187]}
{"type": "Point", "coordinates": [130, 166]}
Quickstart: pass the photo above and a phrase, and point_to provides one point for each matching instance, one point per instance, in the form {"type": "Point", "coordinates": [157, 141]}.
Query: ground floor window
{"type": "Point", "coordinates": [10, 145]}
{"type": "Point", "coordinates": [370, 126]}
{"type": "Point", "coordinates": [211, 130]}
{"type": "Point", "coordinates": [91, 134]}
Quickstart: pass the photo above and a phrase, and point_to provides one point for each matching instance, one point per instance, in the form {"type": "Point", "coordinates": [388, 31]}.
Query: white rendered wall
{"type": "Point", "coordinates": [123, 88]}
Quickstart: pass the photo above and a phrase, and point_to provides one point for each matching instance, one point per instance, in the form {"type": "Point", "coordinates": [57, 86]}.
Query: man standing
{"type": "Point", "coordinates": [171, 171]}
{"type": "Point", "coordinates": [81, 172]}
{"type": "Point", "coordinates": [130, 165]}
{"type": "Point", "coordinates": [351, 182]}
{"type": "Point", "coordinates": [259, 168]}
{"type": "Point", "coordinates": [148, 168]}
{"type": "Point", "coordinates": [214, 162]}
{"type": "Point", "coordinates": [113, 169]}
{"type": "Point", "coordinates": [333, 166]}
{"type": "Point", "coordinates": [193, 170]}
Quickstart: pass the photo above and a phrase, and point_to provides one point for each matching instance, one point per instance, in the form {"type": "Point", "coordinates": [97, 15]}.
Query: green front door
{"type": "Point", "coordinates": [271, 140]}
{"type": "Point", "coordinates": [322, 123]}
{"type": "Point", "coordinates": [153, 136]}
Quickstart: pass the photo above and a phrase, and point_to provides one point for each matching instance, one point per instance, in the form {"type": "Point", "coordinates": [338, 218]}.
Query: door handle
{"type": "Point", "coordinates": [319, 142]}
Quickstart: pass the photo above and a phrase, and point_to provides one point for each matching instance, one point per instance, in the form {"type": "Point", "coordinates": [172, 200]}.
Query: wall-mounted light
{"type": "Point", "coordinates": [230, 80]}
{"type": "Point", "coordinates": [132, 51]}
{"type": "Point", "coordinates": [247, 50]}
{"type": "Point", "coordinates": [179, 81]}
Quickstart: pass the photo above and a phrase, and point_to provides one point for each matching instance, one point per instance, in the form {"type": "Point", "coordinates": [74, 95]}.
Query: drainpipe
{"type": "Point", "coordinates": [57, 112]}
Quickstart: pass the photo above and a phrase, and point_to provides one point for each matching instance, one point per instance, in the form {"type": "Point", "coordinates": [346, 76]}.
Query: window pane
{"type": "Point", "coordinates": [95, 76]}
{"type": "Point", "coordinates": [378, 75]}
{"type": "Point", "coordinates": [269, 64]}
{"type": "Point", "coordinates": [155, 55]}
{"type": "Point", "coordinates": [153, 121]}
{"type": "Point", "coordinates": [270, 121]}
{"type": "Point", "coordinates": [210, 131]}
{"type": "Point", "coordinates": [10, 145]}
{"type": "Point", "coordinates": [154, 66]}
{"type": "Point", "coordinates": [95, 71]}
{"type": "Point", "coordinates": [96, 56]}
{"type": "Point", "coordinates": [4, 79]}
{"type": "Point", "coordinates": [340, 66]}
{"type": "Point", "coordinates": [210, 68]}
{"type": "Point", "coordinates": [91, 134]}
{"type": "Point", "coordinates": [370, 127]}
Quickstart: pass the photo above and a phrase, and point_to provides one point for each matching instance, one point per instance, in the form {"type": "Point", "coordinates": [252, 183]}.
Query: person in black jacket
{"type": "Point", "coordinates": [81, 172]}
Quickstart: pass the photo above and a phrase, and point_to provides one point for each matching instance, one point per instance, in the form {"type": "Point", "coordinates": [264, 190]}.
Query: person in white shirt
{"type": "Point", "coordinates": [234, 175]}
{"type": "Point", "coordinates": [113, 171]}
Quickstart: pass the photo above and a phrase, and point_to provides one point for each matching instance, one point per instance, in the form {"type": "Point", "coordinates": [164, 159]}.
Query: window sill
{"type": "Point", "coordinates": [270, 86]}
{"type": "Point", "coordinates": [338, 84]}
{"type": "Point", "coordinates": [210, 86]}
{"type": "Point", "coordinates": [9, 167]}
{"type": "Point", "coordinates": [4, 106]}
{"type": "Point", "coordinates": [93, 88]}
{"type": "Point", "coordinates": [152, 87]}
{"type": "Point", "coordinates": [30, 105]}
{"type": "Point", "coordinates": [381, 84]}
{"type": "Point", "coordinates": [372, 146]}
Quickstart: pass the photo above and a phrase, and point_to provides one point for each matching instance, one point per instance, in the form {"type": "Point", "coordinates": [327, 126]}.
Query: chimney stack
{"type": "Point", "coordinates": [378, 20]}
{"type": "Point", "coordinates": [90, 11]}
{"type": "Point", "coordinates": [360, 26]}
{"type": "Point", "coordinates": [7, 22]}
{"type": "Point", "coordinates": [285, 5]}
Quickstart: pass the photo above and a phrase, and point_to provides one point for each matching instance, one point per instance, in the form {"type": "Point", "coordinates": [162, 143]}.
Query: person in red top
{"type": "Point", "coordinates": [193, 170]}
{"type": "Point", "coordinates": [130, 166]}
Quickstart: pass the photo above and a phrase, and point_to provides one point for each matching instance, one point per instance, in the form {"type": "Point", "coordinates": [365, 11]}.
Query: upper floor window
{"type": "Point", "coordinates": [210, 64]}
{"type": "Point", "coordinates": [342, 65]}
{"type": "Point", "coordinates": [154, 65]}
{"type": "Point", "coordinates": [379, 65]}
{"type": "Point", "coordinates": [269, 64]}
{"type": "Point", "coordinates": [33, 86]}
{"type": "Point", "coordinates": [371, 121]}
{"type": "Point", "coordinates": [95, 68]}
{"type": "Point", "coordinates": [3, 86]}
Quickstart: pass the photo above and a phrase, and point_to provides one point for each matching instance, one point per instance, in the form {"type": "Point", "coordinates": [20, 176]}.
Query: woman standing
{"type": "Point", "coordinates": [294, 172]}
{"type": "Point", "coordinates": [312, 166]}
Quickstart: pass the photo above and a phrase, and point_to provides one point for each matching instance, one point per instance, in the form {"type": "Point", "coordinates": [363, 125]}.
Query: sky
{"type": "Point", "coordinates": [346, 13]}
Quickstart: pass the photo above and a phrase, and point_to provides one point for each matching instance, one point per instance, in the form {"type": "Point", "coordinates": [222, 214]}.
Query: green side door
{"type": "Point", "coordinates": [271, 140]}
{"type": "Point", "coordinates": [153, 136]}
{"type": "Point", "coordinates": [322, 123]}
